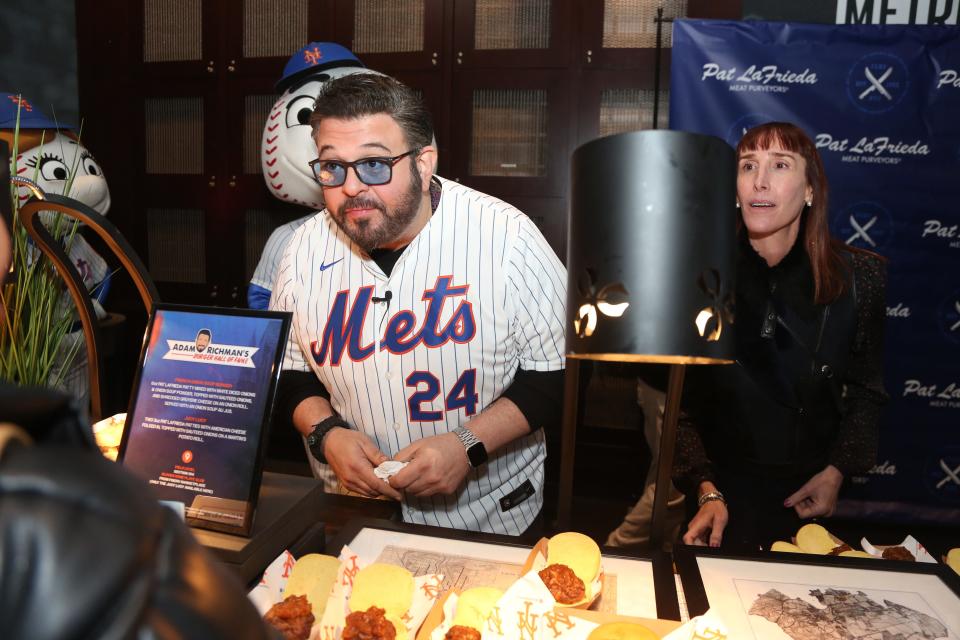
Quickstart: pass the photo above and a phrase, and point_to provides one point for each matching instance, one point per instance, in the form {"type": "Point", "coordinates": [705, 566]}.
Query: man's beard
{"type": "Point", "coordinates": [367, 234]}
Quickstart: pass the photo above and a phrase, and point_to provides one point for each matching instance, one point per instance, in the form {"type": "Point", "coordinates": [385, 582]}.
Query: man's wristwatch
{"type": "Point", "coordinates": [315, 439]}
{"type": "Point", "coordinates": [476, 452]}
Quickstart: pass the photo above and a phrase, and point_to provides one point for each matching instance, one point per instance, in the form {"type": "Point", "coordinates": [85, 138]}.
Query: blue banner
{"type": "Point", "coordinates": [883, 105]}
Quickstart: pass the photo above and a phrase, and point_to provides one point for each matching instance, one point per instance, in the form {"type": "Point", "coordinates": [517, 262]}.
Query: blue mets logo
{"type": "Point", "coordinates": [743, 124]}
{"type": "Point", "coordinates": [867, 225]}
{"type": "Point", "coordinates": [21, 102]}
{"type": "Point", "coordinates": [877, 82]}
{"type": "Point", "coordinates": [404, 331]}
{"type": "Point", "coordinates": [313, 56]}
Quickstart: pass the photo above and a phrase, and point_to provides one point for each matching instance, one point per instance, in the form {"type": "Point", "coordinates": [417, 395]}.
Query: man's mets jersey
{"type": "Point", "coordinates": [476, 295]}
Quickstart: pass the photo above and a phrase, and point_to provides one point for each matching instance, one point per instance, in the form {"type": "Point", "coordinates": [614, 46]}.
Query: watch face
{"type": "Point", "coordinates": [477, 454]}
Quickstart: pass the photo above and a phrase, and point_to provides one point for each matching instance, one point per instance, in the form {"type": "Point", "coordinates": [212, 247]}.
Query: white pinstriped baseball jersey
{"type": "Point", "coordinates": [478, 294]}
{"type": "Point", "coordinates": [265, 275]}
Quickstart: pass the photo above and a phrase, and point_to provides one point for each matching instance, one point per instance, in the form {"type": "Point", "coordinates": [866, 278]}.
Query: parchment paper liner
{"type": "Point", "coordinates": [537, 560]}
{"type": "Point", "coordinates": [909, 543]}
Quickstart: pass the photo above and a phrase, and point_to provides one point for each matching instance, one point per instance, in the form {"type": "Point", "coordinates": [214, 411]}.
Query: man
{"type": "Point", "coordinates": [203, 340]}
{"type": "Point", "coordinates": [428, 323]}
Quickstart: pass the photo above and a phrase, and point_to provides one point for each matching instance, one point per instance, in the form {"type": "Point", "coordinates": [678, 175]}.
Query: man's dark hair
{"type": "Point", "coordinates": [203, 332]}
{"type": "Point", "coordinates": [366, 94]}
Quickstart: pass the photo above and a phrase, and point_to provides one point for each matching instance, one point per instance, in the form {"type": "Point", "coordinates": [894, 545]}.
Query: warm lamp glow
{"type": "Point", "coordinates": [613, 310]}
{"type": "Point", "coordinates": [703, 318]}
{"type": "Point", "coordinates": [586, 321]}
{"type": "Point", "coordinates": [108, 433]}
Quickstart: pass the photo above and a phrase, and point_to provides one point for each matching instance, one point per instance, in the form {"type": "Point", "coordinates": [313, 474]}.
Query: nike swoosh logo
{"type": "Point", "coordinates": [324, 267]}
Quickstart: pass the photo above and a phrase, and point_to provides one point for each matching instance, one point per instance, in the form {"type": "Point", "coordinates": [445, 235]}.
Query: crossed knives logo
{"type": "Point", "coordinates": [860, 231]}
{"type": "Point", "coordinates": [952, 476]}
{"type": "Point", "coordinates": [876, 84]}
{"type": "Point", "coordinates": [942, 474]}
{"type": "Point", "coordinates": [864, 224]}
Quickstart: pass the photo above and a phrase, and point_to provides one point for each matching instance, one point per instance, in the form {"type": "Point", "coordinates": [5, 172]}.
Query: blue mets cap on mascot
{"type": "Point", "coordinates": [30, 118]}
{"type": "Point", "coordinates": [314, 58]}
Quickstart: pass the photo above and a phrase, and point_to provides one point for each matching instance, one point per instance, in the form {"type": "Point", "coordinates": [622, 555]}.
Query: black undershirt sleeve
{"type": "Point", "coordinates": [293, 388]}
{"type": "Point", "coordinates": [538, 395]}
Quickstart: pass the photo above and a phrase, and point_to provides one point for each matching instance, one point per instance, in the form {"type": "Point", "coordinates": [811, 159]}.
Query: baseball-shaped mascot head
{"type": "Point", "coordinates": [51, 155]}
{"type": "Point", "coordinates": [287, 145]}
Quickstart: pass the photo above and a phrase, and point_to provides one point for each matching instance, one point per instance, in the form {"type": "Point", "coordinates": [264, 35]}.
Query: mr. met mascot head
{"type": "Point", "coordinates": [287, 145]}
{"type": "Point", "coordinates": [51, 155]}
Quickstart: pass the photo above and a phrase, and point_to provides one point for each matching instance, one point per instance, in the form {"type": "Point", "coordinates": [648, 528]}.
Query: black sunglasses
{"type": "Point", "coordinates": [371, 171]}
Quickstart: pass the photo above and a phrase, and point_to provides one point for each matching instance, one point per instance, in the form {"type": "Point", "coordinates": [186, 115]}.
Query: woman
{"type": "Point", "coordinates": [769, 440]}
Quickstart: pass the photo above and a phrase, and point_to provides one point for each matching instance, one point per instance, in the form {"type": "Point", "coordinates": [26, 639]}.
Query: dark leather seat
{"type": "Point", "coordinates": [87, 552]}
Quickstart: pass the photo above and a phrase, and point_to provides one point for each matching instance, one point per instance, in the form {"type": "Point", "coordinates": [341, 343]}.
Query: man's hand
{"type": "Point", "coordinates": [438, 465]}
{"type": "Point", "coordinates": [818, 497]}
{"type": "Point", "coordinates": [706, 528]}
{"type": "Point", "coordinates": [353, 456]}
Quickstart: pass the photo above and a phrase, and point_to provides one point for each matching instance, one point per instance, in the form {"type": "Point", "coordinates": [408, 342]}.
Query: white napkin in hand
{"type": "Point", "coordinates": [389, 468]}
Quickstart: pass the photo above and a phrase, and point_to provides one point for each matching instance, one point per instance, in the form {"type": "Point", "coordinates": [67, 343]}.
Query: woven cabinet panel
{"type": "Point", "coordinates": [258, 225]}
{"type": "Point", "coordinates": [255, 112]}
{"type": "Point", "coordinates": [175, 239]}
{"type": "Point", "coordinates": [388, 26]}
{"type": "Point", "coordinates": [509, 133]}
{"type": "Point", "coordinates": [512, 24]}
{"type": "Point", "coordinates": [172, 30]}
{"type": "Point", "coordinates": [623, 110]}
{"type": "Point", "coordinates": [632, 23]}
{"type": "Point", "coordinates": [174, 135]}
{"type": "Point", "coordinates": [273, 27]}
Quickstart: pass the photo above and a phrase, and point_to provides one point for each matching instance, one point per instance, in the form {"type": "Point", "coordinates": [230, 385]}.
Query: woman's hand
{"type": "Point", "coordinates": [818, 497]}
{"type": "Point", "coordinates": [706, 528]}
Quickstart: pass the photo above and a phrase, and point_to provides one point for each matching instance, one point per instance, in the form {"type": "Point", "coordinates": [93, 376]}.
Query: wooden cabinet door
{"type": "Point", "coordinates": [511, 131]}
{"type": "Point", "coordinates": [623, 33]}
{"type": "Point", "coordinates": [393, 34]}
{"type": "Point", "coordinates": [513, 33]}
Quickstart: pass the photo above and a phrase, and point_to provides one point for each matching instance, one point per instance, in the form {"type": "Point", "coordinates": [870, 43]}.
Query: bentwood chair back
{"type": "Point", "coordinates": [30, 218]}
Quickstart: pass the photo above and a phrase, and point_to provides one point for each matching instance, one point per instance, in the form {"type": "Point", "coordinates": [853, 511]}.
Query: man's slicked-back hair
{"type": "Point", "coordinates": [365, 94]}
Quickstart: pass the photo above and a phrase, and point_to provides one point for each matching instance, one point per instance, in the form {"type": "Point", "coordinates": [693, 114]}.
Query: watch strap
{"type": "Point", "coordinates": [476, 451]}
{"type": "Point", "coordinates": [321, 429]}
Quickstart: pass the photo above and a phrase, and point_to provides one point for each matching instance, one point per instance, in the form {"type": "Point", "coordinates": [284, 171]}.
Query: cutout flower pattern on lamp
{"type": "Point", "coordinates": [611, 300]}
{"type": "Point", "coordinates": [710, 319]}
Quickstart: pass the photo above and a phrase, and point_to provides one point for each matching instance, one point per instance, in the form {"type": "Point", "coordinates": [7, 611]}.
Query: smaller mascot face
{"type": "Point", "coordinates": [287, 145]}
{"type": "Point", "coordinates": [52, 165]}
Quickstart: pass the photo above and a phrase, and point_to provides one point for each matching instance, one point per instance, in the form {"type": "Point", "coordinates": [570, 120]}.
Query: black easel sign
{"type": "Point", "coordinates": [196, 428]}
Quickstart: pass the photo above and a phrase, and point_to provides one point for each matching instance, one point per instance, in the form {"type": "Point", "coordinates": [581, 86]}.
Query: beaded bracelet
{"type": "Point", "coordinates": [709, 497]}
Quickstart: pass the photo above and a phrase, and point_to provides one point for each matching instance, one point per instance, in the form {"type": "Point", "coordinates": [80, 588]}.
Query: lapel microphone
{"type": "Point", "coordinates": [387, 295]}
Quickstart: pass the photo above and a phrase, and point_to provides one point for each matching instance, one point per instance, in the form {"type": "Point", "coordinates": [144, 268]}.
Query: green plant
{"type": "Point", "coordinates": [37, 313]}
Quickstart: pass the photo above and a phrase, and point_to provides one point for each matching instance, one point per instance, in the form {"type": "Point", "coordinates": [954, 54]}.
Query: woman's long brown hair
{"type": "Point", "coordinates": [829, 268]}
